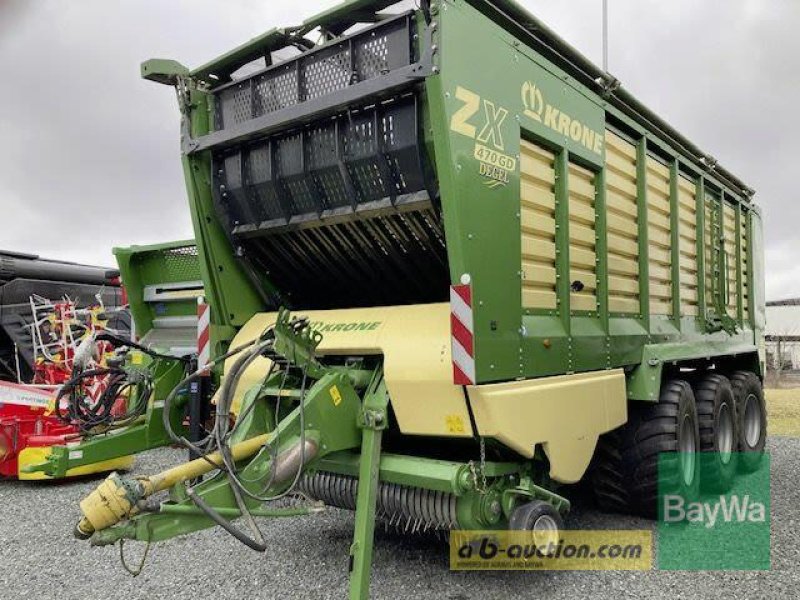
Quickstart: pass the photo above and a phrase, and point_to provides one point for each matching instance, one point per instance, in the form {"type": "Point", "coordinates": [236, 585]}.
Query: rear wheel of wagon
{"type": "Point", "coordinates": [654, 452]}
{"type": "Point", "coordinates": [719, 431]}
{"type": "Point", "coordinates": [752, 412]}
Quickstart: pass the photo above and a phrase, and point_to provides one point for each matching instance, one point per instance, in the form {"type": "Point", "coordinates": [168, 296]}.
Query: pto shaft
{"type": "Point", "coordinates": [115, 499]}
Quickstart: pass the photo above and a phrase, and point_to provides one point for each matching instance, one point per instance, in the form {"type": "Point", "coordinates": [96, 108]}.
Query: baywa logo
{"type": "Point", "coordinates": [718, 521]}
{"type": "Point", "coordinates": [726, 509]}
{"type": "Point", "coordinates": [538, 109]}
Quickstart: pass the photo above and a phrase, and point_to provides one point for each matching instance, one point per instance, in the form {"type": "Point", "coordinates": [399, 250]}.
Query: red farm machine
{"type": "Point", "coordinates": [82, 395]}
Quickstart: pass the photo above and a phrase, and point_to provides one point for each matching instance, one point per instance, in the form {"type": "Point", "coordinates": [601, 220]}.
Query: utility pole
{"type": "Point", "coordinates": [605, 36]}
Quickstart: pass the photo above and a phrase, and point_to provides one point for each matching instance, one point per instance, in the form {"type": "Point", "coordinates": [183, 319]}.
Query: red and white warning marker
{"type": "Point", "coordinates": [203, 333]}
{"type": "Point", "coordinates": [462, 334]}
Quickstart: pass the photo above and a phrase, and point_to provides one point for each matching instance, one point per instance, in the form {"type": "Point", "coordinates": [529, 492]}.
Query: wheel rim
{"type": "Point", "coordinates": [725, 433]}
{"type": "Point", "coordinates": [752, 421]}
{"type": "Point", "coordinates": [545, 532]}
{"type": "Point", "coordinates": [687, 447]}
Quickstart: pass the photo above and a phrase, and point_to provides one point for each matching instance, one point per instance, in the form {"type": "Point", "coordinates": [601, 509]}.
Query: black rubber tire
{"type": "Point", "coordinates": [714, 396]}
{"type": "Point", "coordinates": [524, 517]}
{"type": "Point", "coordinates": [624, 471]}
{"type": "Point", "coordinates": [744, 384]}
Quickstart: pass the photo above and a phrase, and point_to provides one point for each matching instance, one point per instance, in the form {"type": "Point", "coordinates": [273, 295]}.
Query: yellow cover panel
{"type": "Point", "coordinates": [565, 414]}
{"type": "Point", "coordinates": [415, 344]}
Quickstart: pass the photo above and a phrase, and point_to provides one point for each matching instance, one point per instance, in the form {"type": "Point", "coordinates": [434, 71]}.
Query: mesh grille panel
{"type": "Point", "coordinates": [372, 57]}
{"type": "Point", "coordinates": [327, 72]}
{"type": "Point", "coordinates": [178, 264]}
{"type": "Point", "coordinates": [334, 212]}
{"type": "Point", "coordinates": [350, 160]}
{"type": "Point", "coordinates": [275, 91]}
{"type": "Point", "coordinates": [315, 74]}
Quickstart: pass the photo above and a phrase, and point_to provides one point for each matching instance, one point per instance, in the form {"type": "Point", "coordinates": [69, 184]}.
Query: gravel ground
{"type": "Point", "coordinates": [40, 559]}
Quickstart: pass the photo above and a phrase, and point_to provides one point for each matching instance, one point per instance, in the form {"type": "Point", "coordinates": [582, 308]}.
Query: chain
{"type": "Point", "coordinates": [483, 465]}
{"type": "Point", "coordinates": [480, 487]}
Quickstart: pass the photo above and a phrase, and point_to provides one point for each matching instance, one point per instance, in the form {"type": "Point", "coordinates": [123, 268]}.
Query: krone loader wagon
{"type": "Point", "coordinates": [504, 270]}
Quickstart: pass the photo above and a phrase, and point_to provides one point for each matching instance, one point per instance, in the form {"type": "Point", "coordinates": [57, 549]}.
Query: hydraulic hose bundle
{"type": "Point", "coordinates": [115, 386]}
{"type": "Point", "coordinates": [100, 398]}
{"type": "Point", "coordinates": [218, 441]}
{"type": "Point", "coordinates": [283, 450]}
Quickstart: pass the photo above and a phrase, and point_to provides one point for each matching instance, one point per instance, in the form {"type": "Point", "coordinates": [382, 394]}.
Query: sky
{"type": "Point", "coordinates": [89, 152]}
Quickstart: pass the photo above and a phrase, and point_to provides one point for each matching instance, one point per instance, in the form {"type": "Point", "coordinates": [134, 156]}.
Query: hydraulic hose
{"type": "Point", "coordinates": [257, 545]}
{"type": "Point", "coordinates": [220, 435]}
{"type": "Point", "coordinates": [118, 341]}
{"type": "Point", "coordinates": [87, 414]}
{"type": "Point", "coordinates": [199, 447]}
{"type": "Point", "coordinates": [216, 453]}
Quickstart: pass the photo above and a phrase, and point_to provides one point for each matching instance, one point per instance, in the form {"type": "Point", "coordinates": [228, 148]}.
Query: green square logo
{"type": "Point", "coordinates": [725, 526]}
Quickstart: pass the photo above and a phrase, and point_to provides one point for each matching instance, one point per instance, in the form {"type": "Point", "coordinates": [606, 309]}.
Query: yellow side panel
{"type": "Point", "coordinates": [36, 455]}
{"type": "Point", "coordinates": [710, 206]}
{"type": "Point", "coordinates": [729, 232]}
{"type": "Point", "coordinates": [538, 226]}
{"type": "Point", "coordinates": [582, 256]}
{"type": "Point", "coordinates": [623, 225]}
{"type": "Point", "coordinates": [417, 361]}
{"type": "Point", "coordinates": [659, 237]}
{"type": "Point", "coordinates": [565, 414]}
{"type": "Point", "coordinates": [687, 245]}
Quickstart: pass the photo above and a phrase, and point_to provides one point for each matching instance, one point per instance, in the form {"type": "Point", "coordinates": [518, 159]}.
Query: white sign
{"type": "Point", "coordinates": [24, 395]}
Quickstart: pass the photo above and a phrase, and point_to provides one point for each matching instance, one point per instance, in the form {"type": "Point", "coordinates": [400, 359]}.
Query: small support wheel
{"type": "Point", "coordinates": [542, 520]}
{"type": "Point", "coordinates": [80, 533]}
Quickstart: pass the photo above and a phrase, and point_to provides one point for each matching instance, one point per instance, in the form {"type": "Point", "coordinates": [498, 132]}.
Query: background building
{"type": "Point", "coordinates": [783, 336]}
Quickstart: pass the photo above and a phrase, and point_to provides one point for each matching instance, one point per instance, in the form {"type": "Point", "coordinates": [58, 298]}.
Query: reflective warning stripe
{"type": "Point", "coordinates": [203, 333]}
{"type": "Point", "coordinates": [462, 335]}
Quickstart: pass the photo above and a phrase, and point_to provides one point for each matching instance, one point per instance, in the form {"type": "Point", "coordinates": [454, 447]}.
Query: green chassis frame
{"type": "Point", "coordinates": [147, 433]}
{"type": "Point", "coordinates": [346, 412]}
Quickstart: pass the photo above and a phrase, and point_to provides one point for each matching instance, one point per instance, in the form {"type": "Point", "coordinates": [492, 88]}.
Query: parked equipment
{"type": "Point", "coordinates": [501, 264]}
{"type": "Point", "coordinates": [116, 407]}
{"type": "Point", "coordinates": [43, 340]}
{"type": "Point", "coordinates": [25, 276]}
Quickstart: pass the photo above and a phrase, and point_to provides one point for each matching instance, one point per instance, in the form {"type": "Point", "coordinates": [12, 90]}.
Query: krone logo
{"type": "Point", "coordinates": [533, 101]}
{"type": "Point", "coordinates": [571, 128]}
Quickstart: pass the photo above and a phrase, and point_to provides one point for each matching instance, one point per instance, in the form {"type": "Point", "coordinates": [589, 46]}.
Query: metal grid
{"type": "Point", "coordinates": [174, 265]}
{"type": "Point", "coordinates": [394, 258]}
{"type": "Point", "coordinates": [322, 72]}
{"type": "Point", "coordinates": [327, 72]}
{"type": "Point", "coordinates": [353, 159]}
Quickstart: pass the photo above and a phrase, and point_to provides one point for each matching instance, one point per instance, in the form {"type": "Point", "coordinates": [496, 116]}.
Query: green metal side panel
{"type": "Point", "coordinates": [231, 294]}
{"type": "Point", "coordinates": [490, 90]}
{"type": "Point", "coordinates": [141, 266]}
